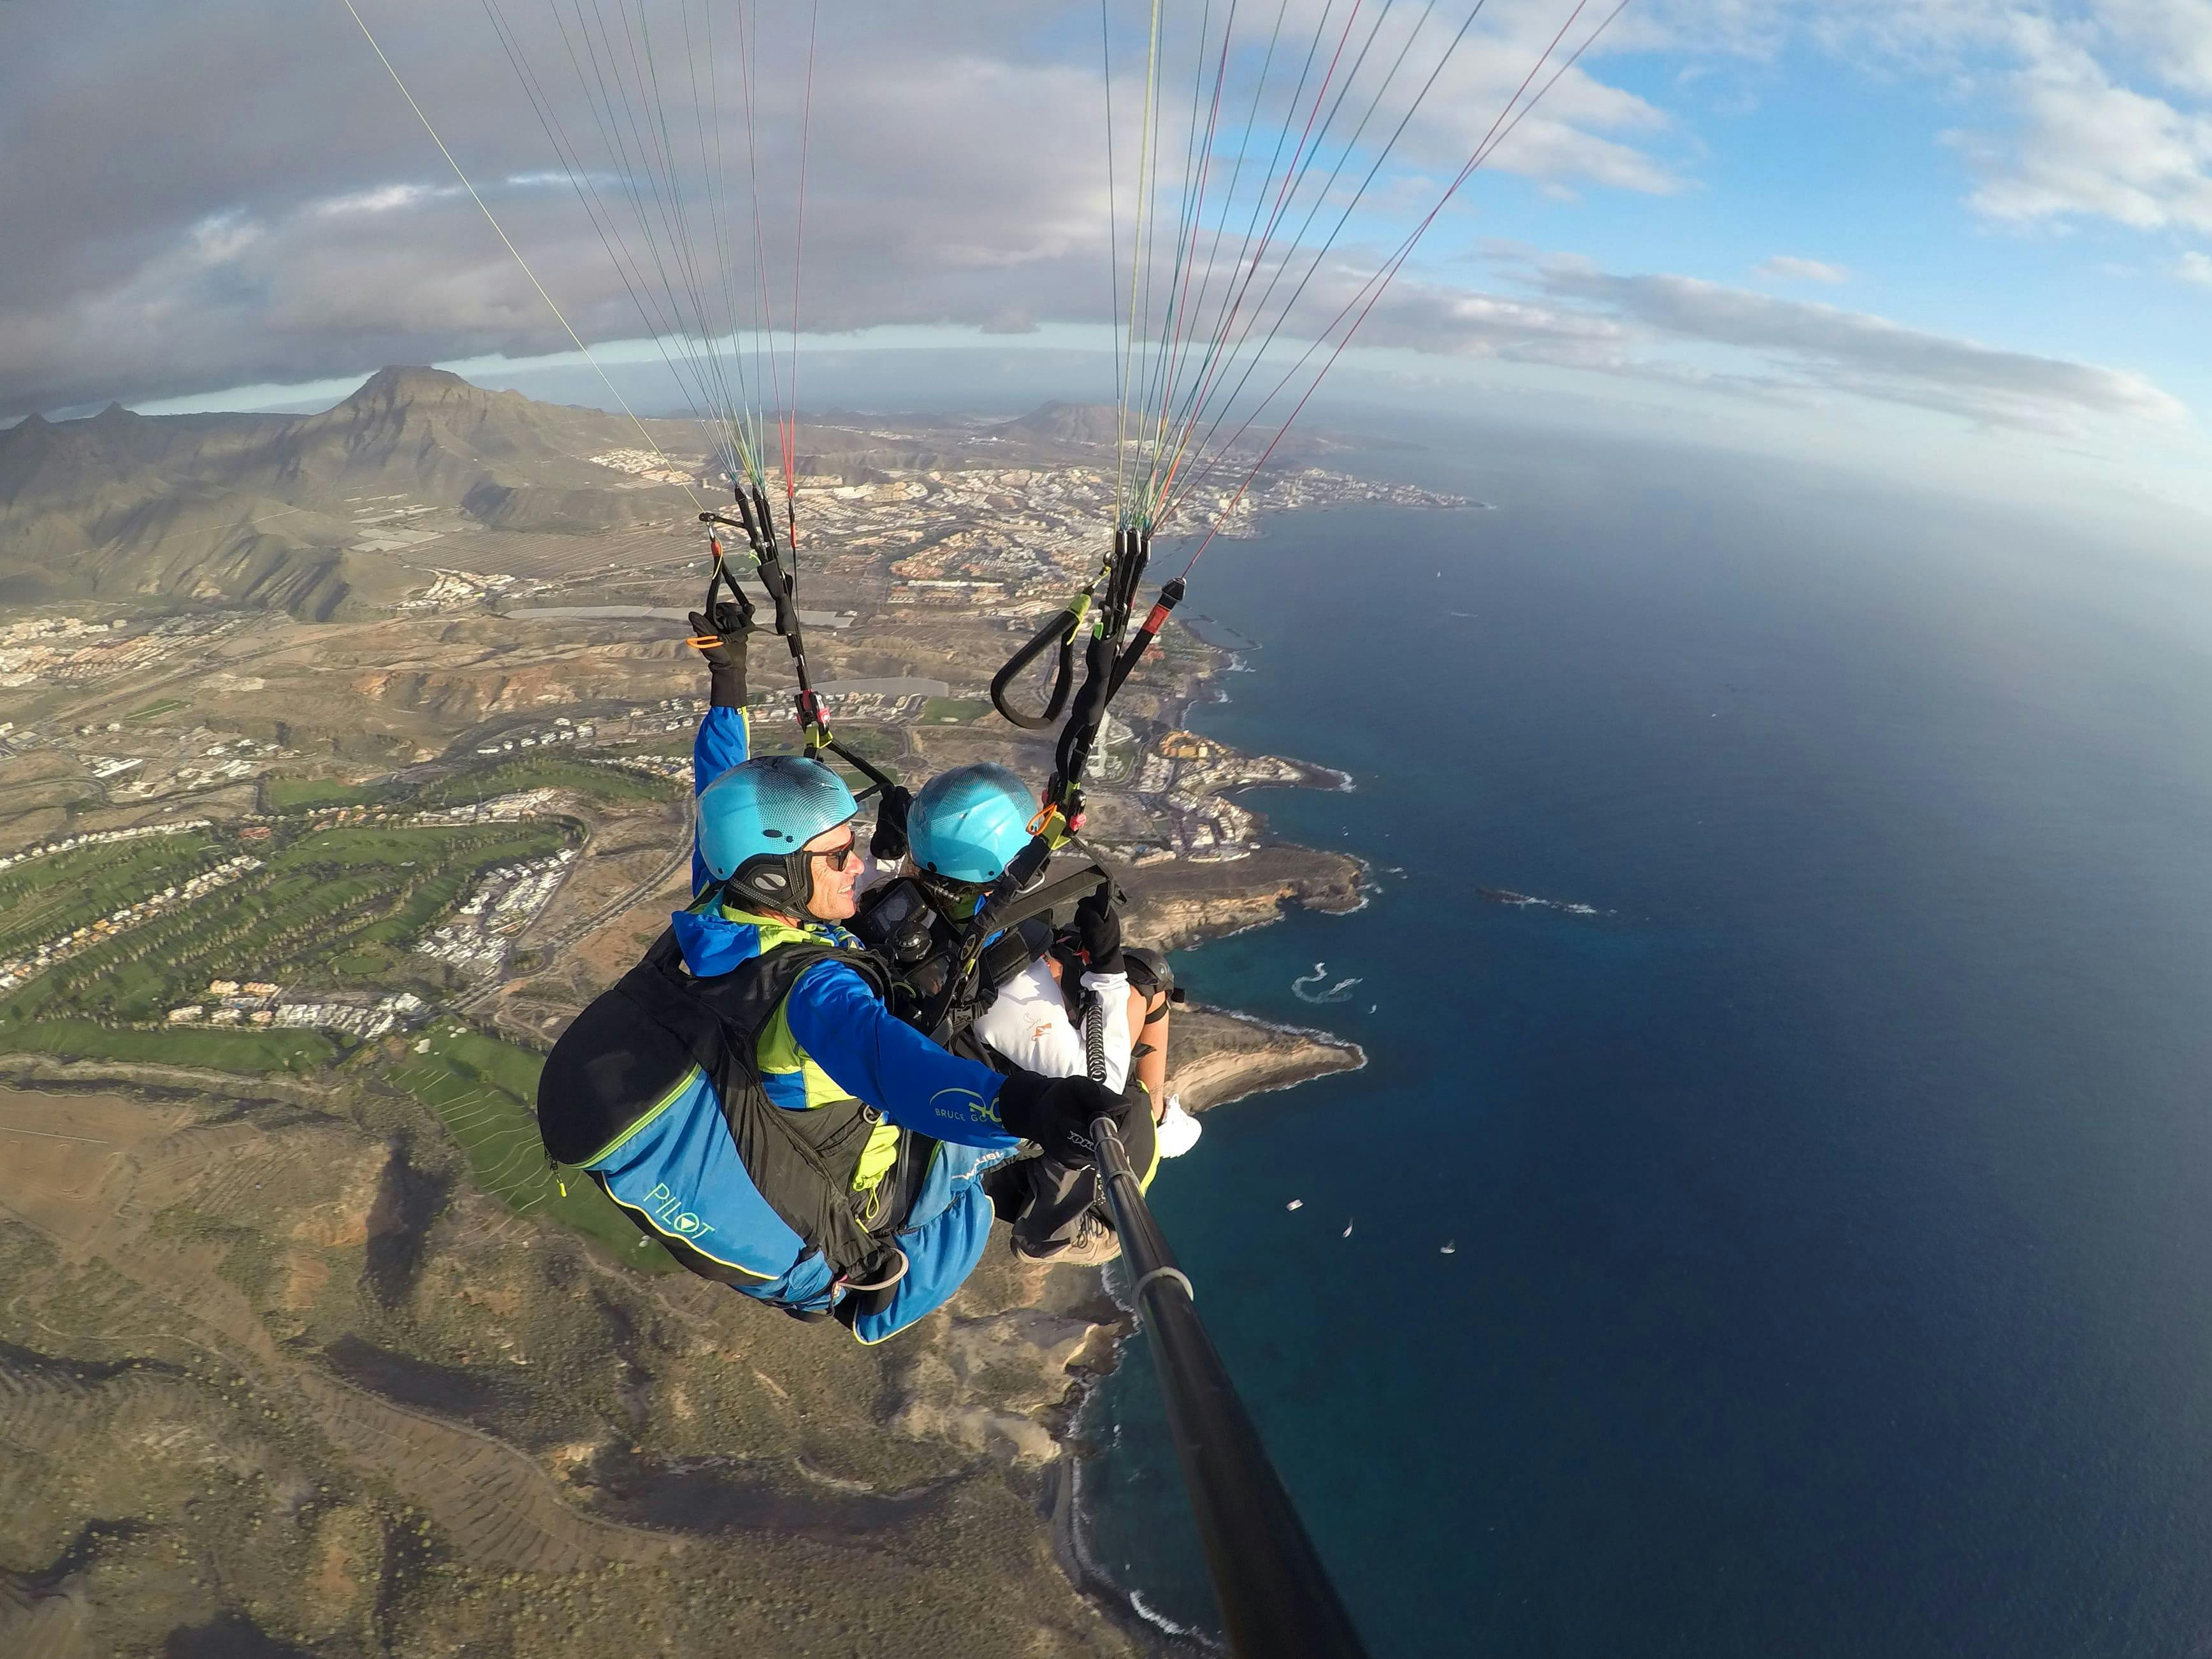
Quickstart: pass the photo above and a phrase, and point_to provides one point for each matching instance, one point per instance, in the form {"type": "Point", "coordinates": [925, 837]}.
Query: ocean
{"type": "Point", "coordinates": [1804, 1246]}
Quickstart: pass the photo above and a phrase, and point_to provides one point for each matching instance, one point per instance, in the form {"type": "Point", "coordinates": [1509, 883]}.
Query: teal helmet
{"type": "Point", "coordinates": [756, 816]}
{"type": "Point", "coordinates": [968, 824]}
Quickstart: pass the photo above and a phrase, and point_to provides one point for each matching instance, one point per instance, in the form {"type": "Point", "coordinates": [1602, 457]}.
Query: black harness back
{"type": "Point", "coordinates": [638, 1041]}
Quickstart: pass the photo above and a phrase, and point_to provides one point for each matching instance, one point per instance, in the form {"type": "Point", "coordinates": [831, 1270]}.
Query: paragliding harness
{"type": "Point", "coordinates": [905, 921]}
{"type": "Point", "coordinates": [1121, 571]}
{"type": "Point", "coordinates": [636, 1043]}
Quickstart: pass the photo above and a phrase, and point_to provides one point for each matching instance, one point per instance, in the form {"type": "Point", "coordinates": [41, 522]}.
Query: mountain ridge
{"type": "Point", "coordinates": [239, 509]}
{"type": "Point", "coordinates": [258, 509]}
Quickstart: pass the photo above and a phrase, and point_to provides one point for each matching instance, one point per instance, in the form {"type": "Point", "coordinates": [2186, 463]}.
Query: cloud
{"type": "Point", "coordinates": [1680, 332]}
{"type": "Point", "coordinates": [1432, 317]}
{"type": "Point", "coordinates": [300, 225]}
{"type": "Point", "coordinates": [2173, 36]}
{"type": "Point", "coordinates": [1823, 347]}
{"type": "Point", "coordinates": [2195, 267]}
{"type": "Point", "coordinates": [258, 204]}
{"type": "Point", "coordinates": [387, 198]}
{"type": "Point", "coordinates": [2085, 145]}
{"type": "Point", "coordinates": [2076, 109]}
{"type": "Point", "coordinates": [1785, 268]}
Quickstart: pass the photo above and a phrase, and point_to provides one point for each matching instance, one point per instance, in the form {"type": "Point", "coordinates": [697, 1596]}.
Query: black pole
{"type": "Point", "coordinates": [1275, 1597]}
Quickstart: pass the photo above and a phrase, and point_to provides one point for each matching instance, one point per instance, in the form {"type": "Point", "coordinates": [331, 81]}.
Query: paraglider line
{"type": "Point", "coordinates": [1313, 267]}
{"type": "Point", "coordinates": [799, 249]}
{"type": "Point", "coordinates": [1240, 285]}
{"type": "Point", "coordinates": [1186, 247]}
{"type": "Point", "coordinates": [1218, 331]}
{"type": "Point", "coordinates": [1137, 261]}
{"type": "Point", "coordinates": [594, 209]}
{"type": "Point", "coordinates": [1499, 131]}
{"type": "Point", "coordinates": [1113, 260]}
{"type": "Point", "coordinates": [492, 220]}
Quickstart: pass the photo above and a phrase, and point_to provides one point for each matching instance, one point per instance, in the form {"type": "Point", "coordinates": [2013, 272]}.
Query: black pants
{"type": "Point", "coordinates": [1050, 1201]}
{"type": "Point", "coordinates": [1045, 1201]}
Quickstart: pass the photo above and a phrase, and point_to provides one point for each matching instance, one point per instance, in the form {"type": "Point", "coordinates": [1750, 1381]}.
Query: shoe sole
{"type": "Point", "coordinates": [1069, 1257]}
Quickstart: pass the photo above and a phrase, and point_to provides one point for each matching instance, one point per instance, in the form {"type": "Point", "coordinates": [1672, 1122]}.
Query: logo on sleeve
{"type": "Point", "coordinates": [962, 1103]}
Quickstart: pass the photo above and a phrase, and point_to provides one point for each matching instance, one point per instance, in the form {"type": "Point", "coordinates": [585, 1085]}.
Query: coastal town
{"type": "Point", "coordinates": [1011, 537]}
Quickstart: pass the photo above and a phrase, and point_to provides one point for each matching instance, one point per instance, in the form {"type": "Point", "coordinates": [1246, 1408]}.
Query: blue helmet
{"type": "Point", "coordinates": [756, 816]}
{"type": "Point", "coordinates": [968, 824]}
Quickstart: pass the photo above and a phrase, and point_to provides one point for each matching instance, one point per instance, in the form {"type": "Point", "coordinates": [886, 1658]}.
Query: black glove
{"type": "Point", "coordinates": [727, 629]}
{"type": "Point", "coordinates": [1098, 931]}
{"type": "Point", "coordinates": [888, 845]}
{"type": "Point", "coordinates": [1057, 1112]}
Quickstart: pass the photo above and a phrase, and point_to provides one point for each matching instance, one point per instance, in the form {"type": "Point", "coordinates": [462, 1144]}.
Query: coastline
{"type": "Point", "coordinates": [1239, 1055]}
{"type": "Point", "coordinates": [1283, 1057]}
{"type": "Point", "coordinates": [1123, 1607]}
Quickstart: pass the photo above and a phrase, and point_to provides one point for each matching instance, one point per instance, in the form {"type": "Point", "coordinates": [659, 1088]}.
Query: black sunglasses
{"type": "Point", "coordinates": [838, 857]}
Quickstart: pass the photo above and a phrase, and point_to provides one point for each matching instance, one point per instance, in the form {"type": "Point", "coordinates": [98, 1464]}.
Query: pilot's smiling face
{"type": "Point", "coordinates": [834, 863]}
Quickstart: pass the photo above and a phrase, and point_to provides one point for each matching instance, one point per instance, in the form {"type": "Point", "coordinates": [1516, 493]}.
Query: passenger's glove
{"type": "Point", "coordinates": [1057, 1112]}
{"type": "Point", "coordinates": [1098, 931]}
{"type": "Point", "coordinates": [720, 639]}
{"type": "Point", "coordinates": [888, 845]}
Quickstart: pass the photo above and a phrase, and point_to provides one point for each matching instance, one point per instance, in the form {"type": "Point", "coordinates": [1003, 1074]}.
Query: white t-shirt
{"type": "Point", "coordinates": [1028, 1025]}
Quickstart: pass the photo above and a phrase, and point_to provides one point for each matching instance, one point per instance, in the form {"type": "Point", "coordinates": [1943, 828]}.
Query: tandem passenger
{"type": "Point", "coordinates": [747, 1097]}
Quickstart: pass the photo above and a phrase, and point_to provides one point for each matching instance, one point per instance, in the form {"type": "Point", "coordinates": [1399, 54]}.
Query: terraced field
{"type": "Point", "coordinates": [482, 1090]}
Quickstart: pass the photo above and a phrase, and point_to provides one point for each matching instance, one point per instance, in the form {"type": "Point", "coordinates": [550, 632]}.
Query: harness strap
{"type": "Point", "coordinates": [1050, 896]}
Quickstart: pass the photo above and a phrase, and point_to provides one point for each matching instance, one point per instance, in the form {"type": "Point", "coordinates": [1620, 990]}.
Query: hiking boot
{"type": "Point", "coordinates": [1093, 1246]}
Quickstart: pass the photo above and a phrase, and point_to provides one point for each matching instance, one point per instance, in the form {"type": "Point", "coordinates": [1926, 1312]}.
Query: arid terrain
{"type": "Point", "coordinates": [342, 758]}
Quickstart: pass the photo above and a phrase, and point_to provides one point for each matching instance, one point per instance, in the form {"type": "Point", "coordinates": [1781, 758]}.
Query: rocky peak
{"type": "Point", "coordinates": [402, 387]}
{"type": "Point", "coordinates": [23, 448]}
{"type": "Point", "coordinates": [1065, 422]}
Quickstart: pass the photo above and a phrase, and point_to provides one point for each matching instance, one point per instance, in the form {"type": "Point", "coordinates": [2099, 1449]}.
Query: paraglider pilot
{"type": "Point", "coordinates": [747, 1097]}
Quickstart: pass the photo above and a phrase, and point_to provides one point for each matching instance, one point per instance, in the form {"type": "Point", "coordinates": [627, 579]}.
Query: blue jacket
{"type": "Point", "coordinates": [678, 1171]}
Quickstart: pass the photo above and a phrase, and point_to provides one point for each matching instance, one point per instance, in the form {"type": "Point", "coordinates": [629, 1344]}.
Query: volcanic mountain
{"type": "Point", "coordinates": [1062, 425]}
{"type": "Point", "coordinates": [259, 509]}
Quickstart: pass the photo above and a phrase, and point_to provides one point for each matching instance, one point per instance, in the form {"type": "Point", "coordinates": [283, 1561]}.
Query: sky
{"type": "Point", "coordinates": [1972, 239]}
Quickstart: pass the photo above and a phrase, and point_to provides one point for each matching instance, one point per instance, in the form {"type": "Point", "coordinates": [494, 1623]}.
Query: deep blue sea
{"type": "Point", "coordinates": [1832, 1212]}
